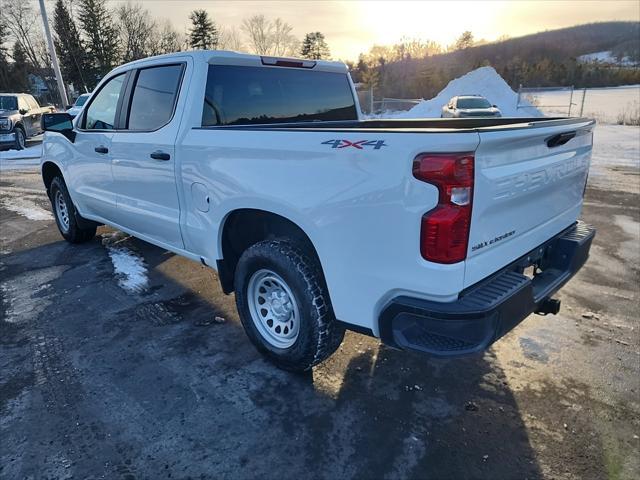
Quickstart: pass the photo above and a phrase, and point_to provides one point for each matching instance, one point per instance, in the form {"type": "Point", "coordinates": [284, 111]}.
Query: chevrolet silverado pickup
{"type": "Point", "coordinates": [435, 235]}
{"type": "Point", "coordinates": [20, 119]}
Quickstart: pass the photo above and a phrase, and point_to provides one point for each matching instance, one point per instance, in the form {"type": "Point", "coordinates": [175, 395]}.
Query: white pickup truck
{"type": "Point", "coordinates": [435, 235]}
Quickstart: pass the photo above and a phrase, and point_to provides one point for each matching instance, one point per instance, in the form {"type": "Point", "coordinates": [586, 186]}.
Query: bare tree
{"type": "Point", "coordinates": [282, 41]}
{"type": "Point", "coordinates": [135, 29]}
{"type": "Point", "coordinates": [268, 37]}
{"type": "Point", "coordinates": [20, 19]}
{"type": "Point", "coordinates": [260, 31]}
{"type": "Point", "coordinates": [166, 39]}
{"type": "Point", "coordinates": [230, 39]}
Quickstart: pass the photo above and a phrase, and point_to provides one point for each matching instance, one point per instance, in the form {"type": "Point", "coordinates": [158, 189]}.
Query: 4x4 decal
{"type": "Point", "coordinates": [360, 144]}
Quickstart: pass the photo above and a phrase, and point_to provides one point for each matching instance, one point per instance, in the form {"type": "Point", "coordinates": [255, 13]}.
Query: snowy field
{"type": "Point", "coordinates": [606, 105]}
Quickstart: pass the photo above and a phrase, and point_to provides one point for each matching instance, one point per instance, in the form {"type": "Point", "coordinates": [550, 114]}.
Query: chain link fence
{"type": "Point", "coordinates": [552, 101]}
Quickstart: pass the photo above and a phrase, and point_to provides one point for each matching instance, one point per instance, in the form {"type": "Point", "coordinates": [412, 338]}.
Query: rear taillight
{"type": "Point", "coordinates": [444, 235]}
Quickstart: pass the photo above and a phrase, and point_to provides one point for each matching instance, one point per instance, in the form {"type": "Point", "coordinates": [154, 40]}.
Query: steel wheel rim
{"type": "Point", "coordinates": [62, 212]}
{"type": "Point", "coordinates": [274, 309]}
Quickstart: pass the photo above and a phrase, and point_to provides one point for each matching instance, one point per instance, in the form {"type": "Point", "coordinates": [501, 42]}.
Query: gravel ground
{"type": "Point", "coordinates": [103, 381]}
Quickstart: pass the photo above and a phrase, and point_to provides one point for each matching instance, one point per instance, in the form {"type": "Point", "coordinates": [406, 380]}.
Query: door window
{"type": "Point", "coordinates": [101, 114]}
{"type": "Point", "coordinates": [22, 104]}
{"type": "Point", "coordinates": [154, 97]}
{"type": "Point", "coordinates": [33, 105]}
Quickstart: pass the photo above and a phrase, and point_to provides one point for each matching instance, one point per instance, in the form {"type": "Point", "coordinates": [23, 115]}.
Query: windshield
{"type": "Point", "coordinates": [8, 102]}
{"type": "Point", "coordinates": [473, 102]}
{"type": "Point", "coordinates": [81, 100]}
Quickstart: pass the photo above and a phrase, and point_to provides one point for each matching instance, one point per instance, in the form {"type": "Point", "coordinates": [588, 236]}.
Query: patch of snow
{"type": "Point", "coordinates": [34, 151]}
{"type": "Point", "coordinates": [129, 266]}
{"type": "Point", "coordinates": [24, 203]}
{"type": "Point", "coordinates": [615, 159]}
{"type": "Point", "coordinates": [606, 57]}
{"type": "Point", "coordinates": [29, 294]}
{"type": "Point", "coordinates": [483, 81]}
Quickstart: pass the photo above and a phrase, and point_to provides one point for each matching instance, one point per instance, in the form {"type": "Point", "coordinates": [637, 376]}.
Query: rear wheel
{"type": "Point", "coordinates": [66, 215]}
{"type": "Point", "coordinates": [284, 306]}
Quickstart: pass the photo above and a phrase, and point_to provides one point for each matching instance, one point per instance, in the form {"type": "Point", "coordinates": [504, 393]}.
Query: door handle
{"type": "Point", "coordinates": [101, 149]}
{"type": "Point", "coordinates": [560, 139]}
{"type": "Point", "coordinates": [158, 155]}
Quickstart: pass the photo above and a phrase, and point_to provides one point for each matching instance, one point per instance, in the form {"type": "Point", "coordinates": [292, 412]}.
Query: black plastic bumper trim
{"type": "Point", "coordinates": [489, 309]}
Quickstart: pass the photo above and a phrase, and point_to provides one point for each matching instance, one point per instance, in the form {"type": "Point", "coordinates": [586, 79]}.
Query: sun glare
{"type": "Point", "coordinates": [387, 22]}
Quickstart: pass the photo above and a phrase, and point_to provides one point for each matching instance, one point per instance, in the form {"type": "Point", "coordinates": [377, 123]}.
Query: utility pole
{"type": "Point", "coordinates": [54, 57]}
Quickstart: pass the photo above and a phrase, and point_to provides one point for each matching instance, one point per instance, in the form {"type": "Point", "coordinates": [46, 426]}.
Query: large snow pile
{"type": "Point", "coordinates": [483, 81]}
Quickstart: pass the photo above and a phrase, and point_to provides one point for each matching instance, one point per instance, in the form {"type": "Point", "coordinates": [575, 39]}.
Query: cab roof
{"type": "Point", "coordinates": [227, 57]}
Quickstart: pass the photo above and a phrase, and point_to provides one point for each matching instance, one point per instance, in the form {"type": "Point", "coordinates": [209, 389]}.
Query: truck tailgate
{"type": "Point", "coordinates": [529, 184]}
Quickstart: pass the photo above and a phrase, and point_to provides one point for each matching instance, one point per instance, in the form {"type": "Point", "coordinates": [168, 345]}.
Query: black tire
{"type": "Point", "coordinates": [319, 333]}
{"type": "Point", "coordinates": [70, 229]}
{"type": "Point", "coordinates": [21, 138]}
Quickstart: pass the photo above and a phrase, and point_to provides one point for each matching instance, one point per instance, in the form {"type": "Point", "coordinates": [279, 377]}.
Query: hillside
{"type": "Point", "coordinates": [542, 59]}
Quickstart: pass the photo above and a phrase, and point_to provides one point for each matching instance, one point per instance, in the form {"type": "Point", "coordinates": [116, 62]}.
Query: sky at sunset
{"type": "Point", "coordinates": [351, 27]}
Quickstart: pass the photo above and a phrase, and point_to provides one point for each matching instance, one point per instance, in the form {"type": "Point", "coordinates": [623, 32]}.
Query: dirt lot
{"type": "Point", "coordinates": [98, 381]}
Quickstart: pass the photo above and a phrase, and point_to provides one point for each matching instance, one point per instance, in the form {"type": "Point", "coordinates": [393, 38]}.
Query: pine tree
{"type": "Point", "coordinates": [4, 59]}
{"type": "Point", "coordinates": [101, 35]}
{"type": "Point", "coordinates": [204, 33]}
{"type": "Point", "coordinates": [314, 46]}
{"type": "Point", "coordinates": [20, 69]}
{"type": "Point", "coordinates": [465, 41]}
{"type": "Point", "coordinates": [70, 48]}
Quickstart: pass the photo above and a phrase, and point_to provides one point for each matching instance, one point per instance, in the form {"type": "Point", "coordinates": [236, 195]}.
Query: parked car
{"type": "Point", "coordinates": [20, 119]}
{"type": "Point", "coordinates": [76, 108]}
{"type": "Point", "coordinates": [470, 106]}
{"type": "Point", "coordinates": [414, 231]}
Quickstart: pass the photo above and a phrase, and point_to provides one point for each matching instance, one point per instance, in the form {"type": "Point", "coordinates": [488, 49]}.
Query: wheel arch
{"type": "Point", "coordinates": [243, 227]}
{"type": "Point", "coordinates": [49, 171]}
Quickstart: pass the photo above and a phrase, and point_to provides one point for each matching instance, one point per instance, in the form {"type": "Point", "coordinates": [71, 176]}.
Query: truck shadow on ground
{"type": "Point", "coordinates": [101, 382]}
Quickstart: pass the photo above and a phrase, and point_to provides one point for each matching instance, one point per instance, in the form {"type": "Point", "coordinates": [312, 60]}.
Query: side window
{"type": "Point", "coordinates": [154, 97]}
{"type": "Point", "coordinates": [33, 105]}
{"type": "Point", "coordinates": [22, 104]}
{"type": "Point", "coordinates": [101, 113]}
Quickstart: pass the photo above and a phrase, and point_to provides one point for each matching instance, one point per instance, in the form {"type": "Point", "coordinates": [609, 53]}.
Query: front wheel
{"type": "Point", "coordinates": [20, 138]}
{"type": "Point", "coordinates": [284, 305]}
{"type": "Point", "coordinates": [65, 214]}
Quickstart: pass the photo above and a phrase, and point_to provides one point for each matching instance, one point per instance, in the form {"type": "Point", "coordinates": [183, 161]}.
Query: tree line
{"type": "Point", "coordinates": [422, 68]}
{"type": "Point", "coordinates": [91, 39]}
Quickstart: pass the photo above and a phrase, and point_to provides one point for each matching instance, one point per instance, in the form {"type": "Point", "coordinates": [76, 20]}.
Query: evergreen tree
{"type": "Point", "coordinates": [204, 33]}
{"type": "Point", "coordinates": [70, 48]}
{"type": "Point", "coordinates": [465, 41]}
{"type": "Point", "coordinates": [101, 35]}
{"type": "Point", "coordinates": [4, 58]}
{"type": "Point", "coordinates": [314, 46]}
{"type": "Point", "coordinates": [20, 69]}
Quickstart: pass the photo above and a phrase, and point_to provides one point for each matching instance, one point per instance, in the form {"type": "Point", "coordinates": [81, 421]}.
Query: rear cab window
{"type": "Point", "coordinates": [154, 97]}
{"type": "Point", "coordinates": [242, 95]}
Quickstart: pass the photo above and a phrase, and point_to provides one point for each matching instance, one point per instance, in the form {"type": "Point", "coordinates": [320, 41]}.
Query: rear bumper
{"type": "Point", "coordinates": [488, 310]}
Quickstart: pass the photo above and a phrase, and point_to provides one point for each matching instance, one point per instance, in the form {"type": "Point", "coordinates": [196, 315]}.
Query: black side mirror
{"type": "Point", "coordinates": [22, 111]}
{"type": "Point", "coordinates": [68, 107]}
{"type": "Point", "coordinates": [494, 106]}
{"type": "Point", "coordinates": [59, 123]}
